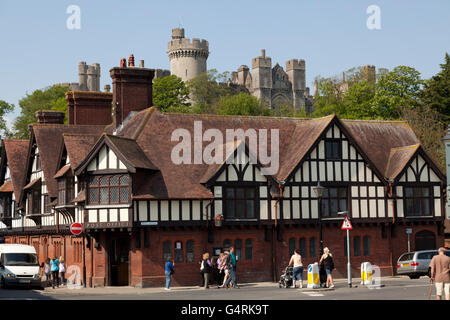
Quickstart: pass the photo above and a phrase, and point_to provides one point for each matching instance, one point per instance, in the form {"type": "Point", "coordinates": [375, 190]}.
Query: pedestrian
{"type": "Point", "coordinates": [54, 263]}
{"type": "Point", "coordinates": [48, 273]}
{"type": "Point", "coordinates": [296, 261]}
{"type": "Point", "coordinates": [232, 269]}
{"type": "Point", "coordinates": [169, 269]}
{"type": "Point", "coordinates": [62, 270]}
{"type": "Point", "coordinates": [201, 272]}
{"type": "Point", "coordinates": [207, 269]}
{"type": "Point", "coordinates": [440, 274]}
{"type": "Point", "coordinates": [220, 269]}
{"type": "Point", "coordinates": [327, 259]}
{"type": "Point", "coordinates": [226, 267]}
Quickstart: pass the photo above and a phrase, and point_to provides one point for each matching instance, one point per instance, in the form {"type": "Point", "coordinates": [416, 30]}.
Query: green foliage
{"type": "Point", "coordinates": [436, 92]}
{"type": "Point", "coordinates": [170, 94]}
{"type": "Point", "coordinates": [242, 104]}
{"type": "Point", "coordinates": [396, 89]}
{"type": "Point", "coordinates": [50, 98]}
{"type": "Point", "coordinates": [207, 88]}
{"type": "Point", "coordinates": [5, 108]}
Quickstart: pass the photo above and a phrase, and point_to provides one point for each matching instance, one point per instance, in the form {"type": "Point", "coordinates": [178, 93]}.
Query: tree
{"type": "Point", "coordinates": [49, 98]}
{"type": "Point", "coordinates": [396, 89]}
{"type": "Point", "coordinates": [5, 108]}
{"type": "Point", "coordinates": [242, 104]}
{"type": "Point", "coordinates": [170, 94]}
{"type": "Point", "coordinates": [436, 91]}
{"type": "Point", "coordinates": [207, 88]}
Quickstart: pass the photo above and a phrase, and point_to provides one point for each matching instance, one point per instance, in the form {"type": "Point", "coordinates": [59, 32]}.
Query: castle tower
{"type": "Point", "coordinates": [187, 58]}
{"type": "Point", "coordinates": [295, 70]}
{"type": "Point", "coordinates": [82, 76]}
{"type": "Point", "coordinates": [262, 77]}
{"type": "Point", "coordinates": [368, 73]}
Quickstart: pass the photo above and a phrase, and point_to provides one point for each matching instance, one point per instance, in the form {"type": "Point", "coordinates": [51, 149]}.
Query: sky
{"type": "Point", "coordinates": [37, 49]}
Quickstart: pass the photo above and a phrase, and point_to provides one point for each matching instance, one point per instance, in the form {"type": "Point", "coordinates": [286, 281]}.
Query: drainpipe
{"type": "Point", "coordinates": [207, 224]}
{"type": "Point", "coordinates": [394, 198]}
{"type": "Point", "coordinates": [274, 256]}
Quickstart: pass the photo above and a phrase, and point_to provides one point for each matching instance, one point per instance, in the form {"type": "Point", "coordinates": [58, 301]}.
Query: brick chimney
{"type": "Point", "coordinates": [50, 116]}
{"type": "Point", "coordinates": [89, 107]}
{"type": "Point", "coordinates": [132, 89]}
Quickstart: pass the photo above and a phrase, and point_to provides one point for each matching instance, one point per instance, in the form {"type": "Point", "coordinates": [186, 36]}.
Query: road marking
{"type": "Point", "coordinates": [313, 294]}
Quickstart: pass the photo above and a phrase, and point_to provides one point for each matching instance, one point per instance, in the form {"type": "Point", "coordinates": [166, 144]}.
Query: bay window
{"type": "Point", "coordinates": [110, 189]}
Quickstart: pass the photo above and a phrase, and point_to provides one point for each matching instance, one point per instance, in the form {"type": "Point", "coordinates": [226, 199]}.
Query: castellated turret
{"type": "Point", "coordinates": [262, 77]}
{"type": "Point", "coordinates": [295, 70]}
{"type": "Point", "coordinates": [88, 78]}
{"type": "Point", "coordinates": [187, 57]}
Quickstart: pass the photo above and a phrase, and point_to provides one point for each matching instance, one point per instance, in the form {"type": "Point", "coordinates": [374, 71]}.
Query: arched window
{"type": "Point", "coordinates": [292, 246]}
{"type": "Point", "coordinates": [303, 246]}
{"type": "Point", "coordinates": [425, 240]}
{"type": "Point", "coordinates": [357, 246]}
{"type": "Point", "coordinates": [167, 251]}
{"type": "Point", "coordinates": [249, 249]}
{"type": "Point", "coordinates": [312, 247]}
{"type": "Point", "coordinates": [366, 245]}
{"type": "Point", "coordinates": [190, 251]}
{"type": "Point", "coordinates": [238, 248]}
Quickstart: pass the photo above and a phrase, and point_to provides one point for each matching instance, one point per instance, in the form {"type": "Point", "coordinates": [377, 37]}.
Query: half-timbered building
{"type": "Point", "coordinates": [140, 207]}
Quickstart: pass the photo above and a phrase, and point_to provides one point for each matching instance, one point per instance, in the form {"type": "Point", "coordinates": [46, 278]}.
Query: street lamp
{"type": "Point", "coordinates": [319, 190]}
{"type": "Point", "coordinates": [349, 268]}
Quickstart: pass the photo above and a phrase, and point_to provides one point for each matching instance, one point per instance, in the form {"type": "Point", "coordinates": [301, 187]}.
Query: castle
{"type": "Point", "coordinates": [88, 78]}
{"type": "Point", "coordinates": [275, 86]}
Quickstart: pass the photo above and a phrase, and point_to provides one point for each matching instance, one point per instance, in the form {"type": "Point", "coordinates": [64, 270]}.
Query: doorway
{"type": "Point", "coordinates": [118, 261]}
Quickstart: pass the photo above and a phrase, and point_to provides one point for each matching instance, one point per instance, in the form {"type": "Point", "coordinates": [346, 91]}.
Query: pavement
{"type": "Point", "coordinates": [393, 288]}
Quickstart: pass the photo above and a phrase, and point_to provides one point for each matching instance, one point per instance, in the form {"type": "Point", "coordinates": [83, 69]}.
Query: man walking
{"type": "Point", "coordinates": [231, 261]}
{"type": "Point", "coordinates": [440, 273]}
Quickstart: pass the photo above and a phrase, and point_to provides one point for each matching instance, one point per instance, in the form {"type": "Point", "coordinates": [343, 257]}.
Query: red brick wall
{"type": "Point", "coordinates": [146, 266]}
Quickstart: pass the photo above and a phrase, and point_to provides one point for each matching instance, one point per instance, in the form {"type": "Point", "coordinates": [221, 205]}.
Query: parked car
{"type": "Point", "coordinates": [19, 265]}
{"type": "Point", "coordinates": [416, 264]}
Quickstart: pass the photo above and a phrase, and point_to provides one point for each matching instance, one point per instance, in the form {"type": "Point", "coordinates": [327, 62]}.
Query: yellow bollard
{"type": "Point", "coordinates": [313, 276]}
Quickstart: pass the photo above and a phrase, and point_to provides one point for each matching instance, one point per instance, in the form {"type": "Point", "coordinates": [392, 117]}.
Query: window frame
{"type": "Point", "coordinates": [327, 198]}
{"type": "Point", "coordinates": [235, 199]}
{"type": "Point", "coordinates": [422, 199]}
{"type": "Point", "coordinates": [109, 187]}
{"type": "Point", "coordinates": [331, 141]}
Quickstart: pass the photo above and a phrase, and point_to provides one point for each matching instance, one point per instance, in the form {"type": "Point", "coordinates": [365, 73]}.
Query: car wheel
{"type": "Point", "coordinates": [414, 277]}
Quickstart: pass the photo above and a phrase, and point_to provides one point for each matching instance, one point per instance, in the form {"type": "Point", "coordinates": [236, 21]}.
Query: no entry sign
{"type": "Point", "coordinates": [76, 228]}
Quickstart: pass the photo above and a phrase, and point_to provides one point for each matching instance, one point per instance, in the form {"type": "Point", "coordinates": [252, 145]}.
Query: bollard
{"type": "Point", "coordinates": [313, 276]}
{"type": "Point", "coordinates": [366, 273]}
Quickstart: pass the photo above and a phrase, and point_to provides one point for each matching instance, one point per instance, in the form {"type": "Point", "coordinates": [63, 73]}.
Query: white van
{"type": "Point", "coordinates": [19, 265]}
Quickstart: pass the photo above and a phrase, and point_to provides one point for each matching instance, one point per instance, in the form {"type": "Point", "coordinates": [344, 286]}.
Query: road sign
{"type": "Point", "coordinates": [76, 228]}
{"type": "Point", "coordinates": [346, 225]}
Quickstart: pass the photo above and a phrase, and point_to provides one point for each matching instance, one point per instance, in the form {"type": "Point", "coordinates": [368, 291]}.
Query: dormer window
{"type": "Point", "coordinates": [333, 149]}
{"type": "Point", "coordinates": [66, 191]}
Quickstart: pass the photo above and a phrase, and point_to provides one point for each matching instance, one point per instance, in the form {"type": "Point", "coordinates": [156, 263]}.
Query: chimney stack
{"type": "Point", "coordinates": [132, 90]}
{"type": "Point", "coordinates": [50, 116]}
{"type": "Point", "coordinates": [131, 61]}
{"type": "Point", "coordinates": [89, 107]}
{"type": "Point", "coordinates": [141, 63]}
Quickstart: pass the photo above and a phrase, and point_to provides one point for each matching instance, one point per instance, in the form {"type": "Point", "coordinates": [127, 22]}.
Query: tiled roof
{"type": "Point", "coordinates": [78, 147]}
{"type": "Point", "coordinates": [49, 140]}
{"type": "Point", "coordinates": [17, 155]}
{"type": "Point", "coordinates": [397, 160]}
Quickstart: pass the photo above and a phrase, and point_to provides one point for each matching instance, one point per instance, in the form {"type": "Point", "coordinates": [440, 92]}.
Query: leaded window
{"type": "Point", "coordinates": [302, 243]}
{"type": "Point", "coordinates": [190, 251]}
{"type": "Point", "coordinates": [249, 249]}
{"type": "Point", "coordinates": [417, 201]}
{"type": "Point", "coordinates": [240, 202]}
{"type": "Point", "coordinates": [333, 149]}
{"type": "Point", "coordinates": [334, 200]}
{"type": "Point", "coordinates": [111, 189]}
{"type": "Point", "coordinates": [167, 251]}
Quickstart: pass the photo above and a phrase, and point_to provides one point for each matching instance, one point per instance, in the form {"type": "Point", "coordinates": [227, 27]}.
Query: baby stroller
{"type": "Point", "coordinates": [286, 278]}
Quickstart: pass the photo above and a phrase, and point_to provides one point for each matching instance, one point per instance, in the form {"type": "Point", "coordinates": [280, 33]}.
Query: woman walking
{"type": "Point", "coordinates": [54, 263]}
{"type": "Point", "coordinates": [169, 271]}
{"type": "Point", "coordinates": [220, 268]}
{"type": "Point", "coordinates": [327, 259]}
{"type": "Point", "coordinates": [296, 260]}
{"type": "Point", "coordinates": [62, 270]}
{"type": "Point", "coordinates": [207, 269]}
{"type": "Point", "coordinates": [226, 268]}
